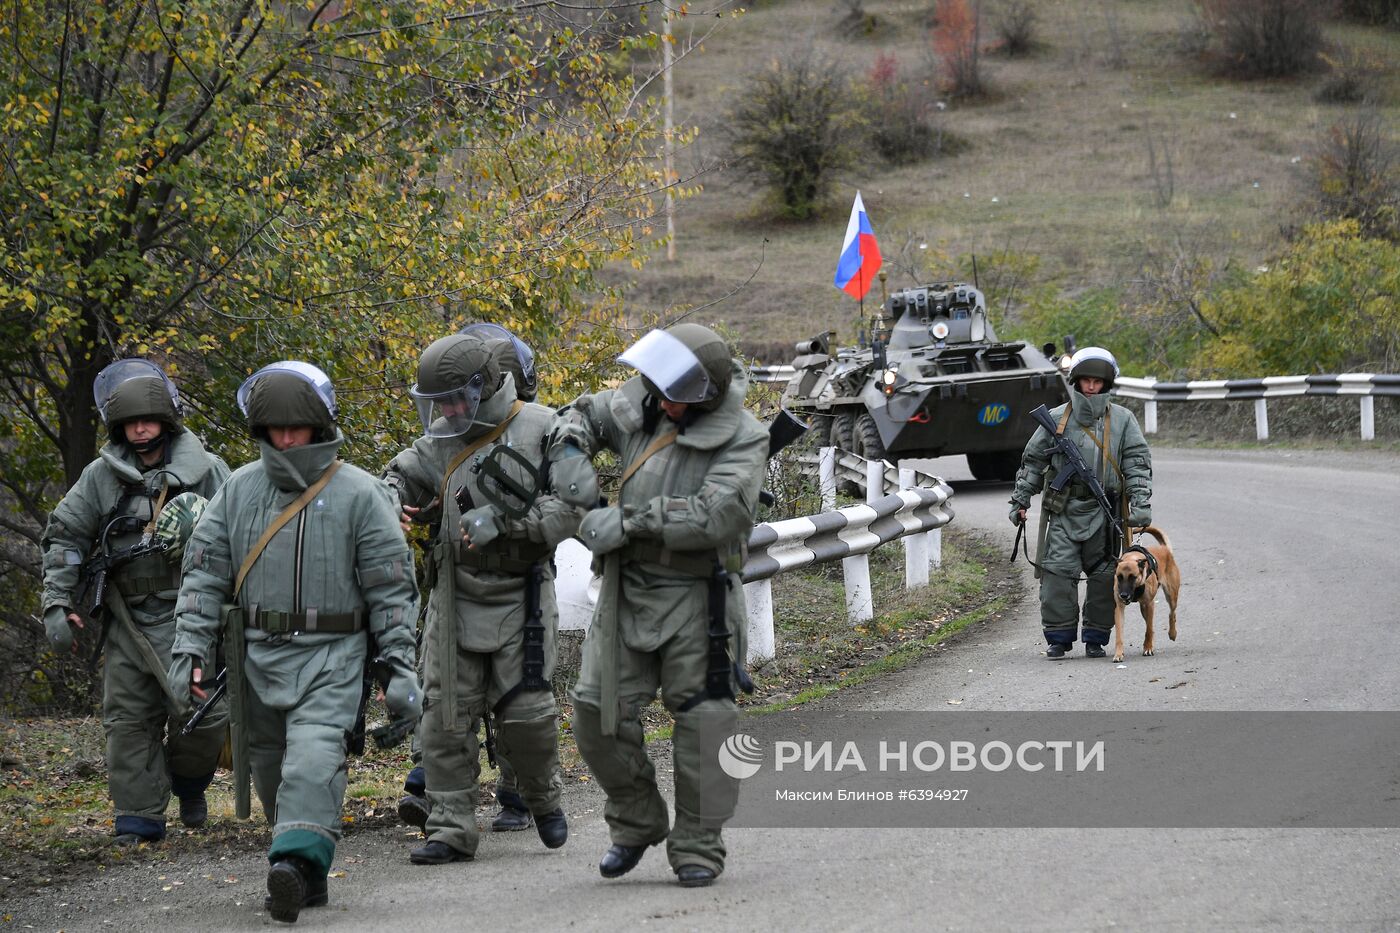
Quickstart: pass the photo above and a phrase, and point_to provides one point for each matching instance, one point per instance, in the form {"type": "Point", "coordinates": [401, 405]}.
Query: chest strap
{"type": "Point", "coordinates": [655, 447]}
{"type": "Point", "coordinates": [286, 515]}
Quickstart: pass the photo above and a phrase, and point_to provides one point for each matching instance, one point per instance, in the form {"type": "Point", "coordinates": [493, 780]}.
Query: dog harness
{"type": "Point", "coordinates": [1151, 566]}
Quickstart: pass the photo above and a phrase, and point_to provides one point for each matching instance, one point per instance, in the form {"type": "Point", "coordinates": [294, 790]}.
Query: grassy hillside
{"type": "Point", "coordinates": [1057, 165]}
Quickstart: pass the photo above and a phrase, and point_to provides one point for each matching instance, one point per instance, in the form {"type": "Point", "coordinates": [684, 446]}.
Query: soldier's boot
{"type": "Point", "coordinates": [553, 828]}
{"type": "Point", "coordinates": [514, 815]}
{"type": "Point", "coordinates": [293, 884]}
{"type": "Point", "coordinates": [194, 808]}
{"type": "Point", "coordinates": [695, 876]}
{"type": "Point", "coordinates": [620, 859]}
{"type": "Point", "coordinates": [413, 805]}
{"type": "Point", "coordinates": [134, 830]}
{"type": "Point", "coordinates": [435, 852]}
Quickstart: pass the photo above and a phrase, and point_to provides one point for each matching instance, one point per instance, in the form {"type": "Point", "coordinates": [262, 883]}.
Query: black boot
{"type": "Point", "coordinates": [194, 811]}
{"type": "Point", "coordinates": [413, 810]}
{"type": "Point", "coordinates": [511, 820]}
{"type": "Point", "coordinates": [292, 884]}
{"type": "Point", "coordinates": [1055, 652]}
{"type": "Point", "coordinates": [620, 859]}
{"type": "Point", "coordinates": [1093, 651]}
{"type": "Point", "coordinates": [553, 828]}
{"type": "Point", "coordinates": [436, 853]}
{"type": "Point", "coordinates": [695, 876]}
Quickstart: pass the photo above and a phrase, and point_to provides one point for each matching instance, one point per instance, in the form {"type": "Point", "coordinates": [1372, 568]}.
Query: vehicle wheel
{"type": "Point", "coordinates": [843, 426]}
{"type": "Point", "coordinates": [999, 466]}
{"type": "Point", "coordinates": [867, 439]}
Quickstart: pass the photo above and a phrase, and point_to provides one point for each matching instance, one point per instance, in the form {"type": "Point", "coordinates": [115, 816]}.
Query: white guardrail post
{"type": "Point", "coordinates": [826, 473]}
{"type": "Point", "coordinates": [1261, 419]}
{"type": "Point", "coordinates": [758, 596]}
{"type": "Point", "coordinates": [916, 559]}
{"type": "Point", "coordinates": [1368, 417]}
{"type": "Point", "coordinates": [855, 570]}
{"type": "Point", "coordinates": [1149, 410]}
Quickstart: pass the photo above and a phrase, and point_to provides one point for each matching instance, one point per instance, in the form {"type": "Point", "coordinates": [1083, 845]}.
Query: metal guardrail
{"type": "Point", "coordinates": [777, 547]}
{"type": "Point", "coordinates": [1362, 386]}
{"type": "Point", "coordinates": [916, 514]}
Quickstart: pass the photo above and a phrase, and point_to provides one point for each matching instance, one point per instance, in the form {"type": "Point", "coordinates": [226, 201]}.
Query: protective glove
{"type": "Point", "coordinates": [176, 523]}
{"type": "Point", "coordinates": [602, 531]}
{"type": "Point", "coordinates": [403, 697]}
{"type": "Point", "coordinates": [180, 676]}
{"type": "Point", "coordinates": [57, 627]}
{"type": "Point", "coordinates": [481, 526]}
{"type": "Point", "coordinates": [1139, 515]}
{"type": "Point", "coordinates": [1015, 514]}
{"type": "Point", "coordinates": [573, 477]}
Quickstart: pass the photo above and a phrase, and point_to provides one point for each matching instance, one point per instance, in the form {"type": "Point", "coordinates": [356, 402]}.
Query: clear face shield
{"type": "Point", "coordinates": [449, 414]}
{"type": "Point", "coordinates": [309, 374]}
{"type": "Point", "coordinates": [489, 331]}
{"type": "Point", "coordinates": [670, 365]}
{"type": "Point", "coordinates": [107, 381]}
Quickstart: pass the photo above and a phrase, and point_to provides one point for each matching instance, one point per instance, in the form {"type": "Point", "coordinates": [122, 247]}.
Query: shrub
{"type": "Point", "coordinates": [1352, 80]}
{"type": "Point", "coordinates": [1326, 305]}
{"type": "Point", "coordinates": [957, 38]}
{"type": "Point", "coordinates": [900, 127]}
{"type": "Point", "coordinates": [1372, 12]}
{"type": "Point", "coordinates": [1265, 38]}
{"type": "Point", "coordinates": [791, 130]}
{"type": "Point", "coordinates": [1014, 21]}
{"type": "Point", "coordinates": [1354, 175]}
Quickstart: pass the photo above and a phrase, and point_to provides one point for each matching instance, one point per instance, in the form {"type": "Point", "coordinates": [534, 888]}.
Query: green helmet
{"type": "Point", "coordinates": [288, 394]}
{"type": "Point", "coordinates": [684, 363]}
{"type": "Point", "coordinates": [450, 363]}
{"type": "Point", "coordinates": [1096, 363]}
{"type": "Point", "coordinates": [133, 389]}
{"type": "Point", "coordinates": [519, 361]}
{"type": "Point", "coordinates": [455, 376]}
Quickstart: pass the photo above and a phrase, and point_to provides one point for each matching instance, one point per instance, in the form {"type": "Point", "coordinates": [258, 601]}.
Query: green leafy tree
{"type": "Point", "coordinates": [221, 183]}
{"type": "Point", "coordinates": [1330, 304]}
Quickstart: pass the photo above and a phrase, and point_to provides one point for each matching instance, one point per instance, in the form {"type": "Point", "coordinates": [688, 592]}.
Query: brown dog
{"type": "Point", "coordinates": [1140, 572]}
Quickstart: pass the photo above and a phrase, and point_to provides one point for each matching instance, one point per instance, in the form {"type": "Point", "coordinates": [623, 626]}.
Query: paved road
{"type": "Point", "coordinates": [1290, 596]}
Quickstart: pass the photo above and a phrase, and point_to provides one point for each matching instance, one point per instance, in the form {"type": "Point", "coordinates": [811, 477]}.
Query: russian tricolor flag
{"type": "Point", "coordinates": [860, 254]}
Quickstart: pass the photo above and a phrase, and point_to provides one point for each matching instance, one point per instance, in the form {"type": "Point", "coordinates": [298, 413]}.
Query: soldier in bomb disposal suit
{"type": "Point", "coordinates": [489, 642]}
{"type": "Point", "coordinates": [300, 559]}
{"type": "Point", "coordinates": [671, 612]}
{"type": "Point", "coordinates": [149, 467]}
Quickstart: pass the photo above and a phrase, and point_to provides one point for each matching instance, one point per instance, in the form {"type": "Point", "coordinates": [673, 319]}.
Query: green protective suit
{"type": "Point", "coordinates": [1076, 528]}
{"type": "Point", "coordinates": [690, 504]}
{"type": "Point", "coordinates": [475, 631]}
{"type": "Point", "coordinates": [140, 718]}
{"type": "Point", "coordinates": [343, 554]}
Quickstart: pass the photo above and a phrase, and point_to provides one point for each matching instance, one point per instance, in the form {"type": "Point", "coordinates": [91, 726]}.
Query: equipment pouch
{"type": "Point", "coordinates": [1051, 501]}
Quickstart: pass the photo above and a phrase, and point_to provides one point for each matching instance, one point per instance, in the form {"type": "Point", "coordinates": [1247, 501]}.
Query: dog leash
{"type": "Point", "coordinates": [1020, 542]}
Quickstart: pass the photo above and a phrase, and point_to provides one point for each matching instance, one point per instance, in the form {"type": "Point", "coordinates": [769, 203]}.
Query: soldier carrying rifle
{"type": "Point", "coordinates": [121, 527]}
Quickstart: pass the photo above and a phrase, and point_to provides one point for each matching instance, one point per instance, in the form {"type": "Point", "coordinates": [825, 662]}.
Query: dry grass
{"type": "Point", "coordinates": [1062, 147]}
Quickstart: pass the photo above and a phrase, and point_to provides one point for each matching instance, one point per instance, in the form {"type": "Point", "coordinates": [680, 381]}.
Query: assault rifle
{"type": "Point", "coordinates": [220, 685]}
{"type": "Point", "coordinates": [1076, 467]}
{"type": "Point", "coordinates": [378, 673]}
{"type": "Point", "coordinates": [99, 567]}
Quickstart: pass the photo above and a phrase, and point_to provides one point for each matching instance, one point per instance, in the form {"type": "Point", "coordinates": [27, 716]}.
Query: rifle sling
{"type": "Point", "coordinates": [286, 515]}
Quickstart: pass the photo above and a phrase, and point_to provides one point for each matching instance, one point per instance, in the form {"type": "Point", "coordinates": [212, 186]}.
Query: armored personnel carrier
{"type": "Point", "coordinates": [936, 383]}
